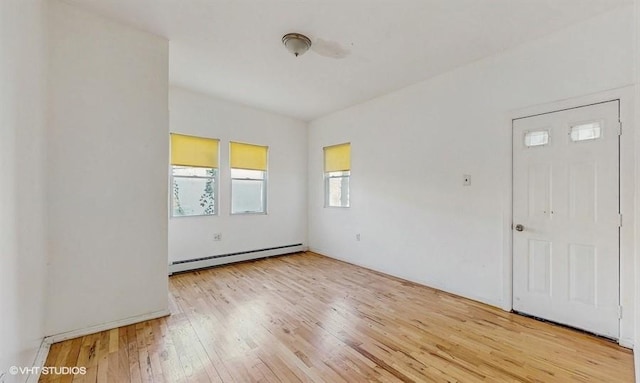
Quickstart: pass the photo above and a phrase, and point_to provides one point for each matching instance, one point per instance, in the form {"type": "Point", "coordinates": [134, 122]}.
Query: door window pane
{"type": "Point", "coordinates": [583, 132]}
{"type": "Point", "coordinates": [537, 138]}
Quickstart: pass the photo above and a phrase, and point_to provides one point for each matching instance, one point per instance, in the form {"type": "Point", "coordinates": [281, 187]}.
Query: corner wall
{"type": "Point", "coordinates": [411, 148]}
{"type": "Point", "coordinates": [23, 104]}
{"type": "Point", "coordinates": [636, 50]}
{"type": "Point", "coordinates": [106, 171]}
{"type": "Point", "coordinates": [286, 222]}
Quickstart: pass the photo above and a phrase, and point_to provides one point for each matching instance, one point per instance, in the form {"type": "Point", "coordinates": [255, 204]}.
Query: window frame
{"type": "Point", "coordinates": [216, 190]}
{"type": "Point", "coordinates": [345, 200]}
{"type": "Point", "coordinates": [263, 189]}
{"type": "Point", "coordinates": [264, 180]}
{"type": "Point", "coordinates": [337, 165]}
{"type": "Point", "coordinates": [599, 125]}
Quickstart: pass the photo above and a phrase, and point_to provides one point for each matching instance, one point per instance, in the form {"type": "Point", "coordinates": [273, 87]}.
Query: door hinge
{"type": "Point", "coordinates": [619, 220]}
{"type": "Point", "coordinates": [619, 128]}
{"type": "Point", "coordinates": [619, 312]}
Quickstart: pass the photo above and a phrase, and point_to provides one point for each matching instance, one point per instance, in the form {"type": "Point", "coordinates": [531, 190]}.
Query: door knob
{"type": "Point", "coordinates": [519, 227]}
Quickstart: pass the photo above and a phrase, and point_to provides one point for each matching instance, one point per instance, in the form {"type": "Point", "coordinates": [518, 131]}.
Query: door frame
{"type": "Point", "coordinates": [625, 96]}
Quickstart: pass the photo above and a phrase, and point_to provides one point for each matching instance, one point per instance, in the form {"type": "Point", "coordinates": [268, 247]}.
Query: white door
{"type": "Point", "coordinates": [566, 217]}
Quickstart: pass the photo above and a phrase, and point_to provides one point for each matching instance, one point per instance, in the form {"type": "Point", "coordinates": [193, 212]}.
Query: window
{"type": "Point", "coordinates": [337, 172]}
{"type": "Point", "coordinates": [585, 132]}
{"type": "Point", "coordinates": [248, 178]}
{"type": "Point", "coordinates": [194, 176]}
{"type": "Point", "coordinates": [537, 138]}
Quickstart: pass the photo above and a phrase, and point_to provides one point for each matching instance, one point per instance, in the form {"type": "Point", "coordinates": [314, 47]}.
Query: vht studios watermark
{"type": "Point", "coordinates": [17, 370]}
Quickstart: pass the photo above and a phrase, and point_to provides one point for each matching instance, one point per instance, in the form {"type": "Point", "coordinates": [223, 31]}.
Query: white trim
{"type": "Point", "coordinates": [507, 220]}
{"type": "Point", "coordinates": [626, 343]}
{"type": "Point", "coordinates": [627, 189]}
{"type": "Point", "coordinates": [466, 295]}
{"type": "Point", "coordinates": [187, 266]}
{"type": "Point", "coordinates": [41, 358]}
{"type": "Point", "coordinates": [45, 346]}
{"type": "Point", "coordinates": [106, 326]}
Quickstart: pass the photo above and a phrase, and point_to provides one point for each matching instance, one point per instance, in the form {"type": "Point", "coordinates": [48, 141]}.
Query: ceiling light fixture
{"type": "Point", "coordinates": [296, 43]}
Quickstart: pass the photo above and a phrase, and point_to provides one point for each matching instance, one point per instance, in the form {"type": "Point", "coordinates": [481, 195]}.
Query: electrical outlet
{"type": "Point", "coordinates": [217, 236]}
{"type": "Point", "coordinates": [358, 237]}
{"type": "Point", "coordinates": [466, 180]}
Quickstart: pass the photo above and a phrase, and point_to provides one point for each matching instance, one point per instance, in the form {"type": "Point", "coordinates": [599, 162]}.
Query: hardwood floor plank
{"type": "Point", "coordinates": [133, 354]}
{"type": "Point", "coordinates": [192, 355]}
{"type": "Point", "coordinates": [103, 357]}
{"type": "Point", "coordinates": [144, 361]}
{"type": "Point", "coordinates": [89, 356]}
{"type": "Point", "coordinates": [308, 318]}
{"type": "Point", "coordinates": [122, 356]}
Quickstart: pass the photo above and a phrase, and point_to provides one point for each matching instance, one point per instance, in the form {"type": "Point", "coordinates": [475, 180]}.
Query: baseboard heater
{"type": "Point", "coordinates": [216, 260]}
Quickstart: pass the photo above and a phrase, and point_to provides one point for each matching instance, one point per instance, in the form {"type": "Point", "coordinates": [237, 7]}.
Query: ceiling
{"type": "Point", "coordinates": [362, 48]}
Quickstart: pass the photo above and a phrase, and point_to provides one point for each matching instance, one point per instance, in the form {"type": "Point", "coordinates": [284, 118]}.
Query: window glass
{"type": "Point", "coordinates": [248, 196]}
{"type": "Point", "coordinates": [248, 174]}
{"type": "Point", "coordinates": [193, 194]}
{"type": "Point", "coordinates": [537, 138]}
{"type": "Point", "coordinates": [584, 132]}
{"type": "Point", "coordinates": [187, 171]}
{"type": "Point", "coordinates": [337, 189]}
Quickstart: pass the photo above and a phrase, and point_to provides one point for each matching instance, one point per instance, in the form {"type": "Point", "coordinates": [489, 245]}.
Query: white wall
{"type": "Point", "coordinates": [286, 221]}
{"type": "Point", "coordinates": [106, 171]}
{"type": "Point", "coordinates": [411, 148]}
{"type": "Point", "coordinates": [637, 188]}
{"type": "Point", "coordinates": [23, 66]}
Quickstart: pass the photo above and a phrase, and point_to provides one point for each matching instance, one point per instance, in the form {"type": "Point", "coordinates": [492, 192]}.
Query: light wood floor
{"type": "Point", "coordinates": [308, 318]}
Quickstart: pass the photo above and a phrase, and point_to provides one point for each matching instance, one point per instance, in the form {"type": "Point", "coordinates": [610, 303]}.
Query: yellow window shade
{"type": "Point", "coordinates": [247, 156]}
{"type": "Point", "coordinates": [337, 158]}
{"type": "Point", "coordinates": [194, 151]}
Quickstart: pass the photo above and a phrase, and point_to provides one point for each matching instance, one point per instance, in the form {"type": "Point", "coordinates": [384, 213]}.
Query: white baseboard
{"type": "Point", "coordinates": [106, 326]}
{"type": "Point", "coordinates": [45, 346]}
{"type": "Point", "coordinates": [466, 295]}
{"type": "Point", "coordinates": [626, 343]}
{"type": "Point", "coordinates": [41, 358]}
{"type": "Point", "coordinates": [195, 265]}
